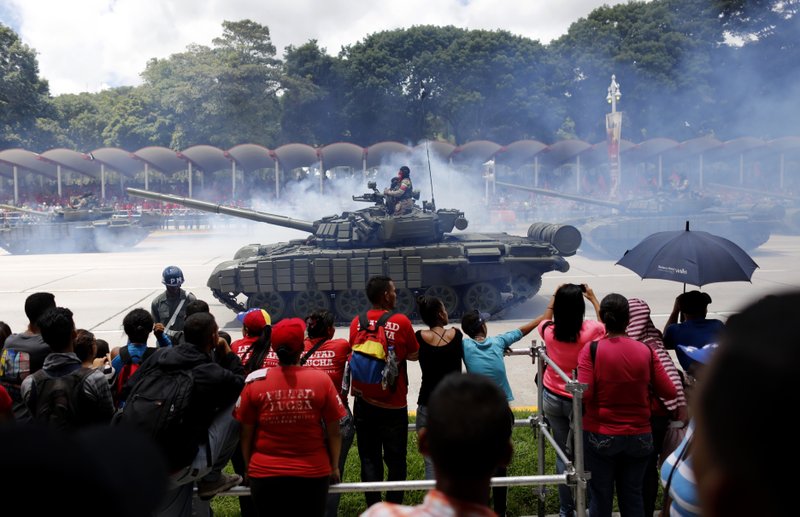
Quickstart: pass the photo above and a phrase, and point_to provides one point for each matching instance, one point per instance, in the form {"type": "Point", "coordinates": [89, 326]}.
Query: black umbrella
{"type": "Point", "coordinates": [695, 258]}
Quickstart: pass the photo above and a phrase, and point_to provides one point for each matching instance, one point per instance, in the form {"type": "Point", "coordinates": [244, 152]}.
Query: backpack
{"type": "Point", "coordinates": [373, 364]}
{"type": "Point", "coordinates": [158, 405]}
{"type": "Point", "coordinates": [129, 366]}
{"type": "Point", "coordinates": [57, 401]}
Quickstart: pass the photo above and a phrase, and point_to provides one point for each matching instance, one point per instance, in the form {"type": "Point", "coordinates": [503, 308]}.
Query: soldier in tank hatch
{"type": "Point", "coordinates": [403, 193]}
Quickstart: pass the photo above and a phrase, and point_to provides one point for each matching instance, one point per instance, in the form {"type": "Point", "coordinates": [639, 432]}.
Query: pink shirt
{"type": "Point", "coordinates": [565, 355]}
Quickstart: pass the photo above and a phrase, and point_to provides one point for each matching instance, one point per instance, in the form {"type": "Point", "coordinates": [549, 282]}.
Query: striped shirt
{"type": "Point", "coordinates": [682, 487]}
{"type": "Point", "coordinates": [641, 328]}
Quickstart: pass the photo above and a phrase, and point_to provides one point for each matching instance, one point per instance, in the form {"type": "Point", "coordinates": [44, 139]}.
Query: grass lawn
{"type": "Point", "coordinates": [521, 500]}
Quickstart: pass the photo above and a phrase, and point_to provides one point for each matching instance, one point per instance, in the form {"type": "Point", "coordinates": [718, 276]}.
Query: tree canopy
{"type": "Point", "coordinates": [687, 68]}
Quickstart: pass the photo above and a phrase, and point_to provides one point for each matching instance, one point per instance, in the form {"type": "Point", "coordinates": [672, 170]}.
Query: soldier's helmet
{"type": "Point", "coordinates": [172, 276]}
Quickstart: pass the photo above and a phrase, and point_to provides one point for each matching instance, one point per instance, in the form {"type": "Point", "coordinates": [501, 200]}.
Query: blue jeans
{"type": "Point", "coordinates": [382, 437]}
{"type": "Point", "coordinates": [558, 412]}
{"type": "Point", "coordinates": [223, 437]}
{"type": "Point", "coordinates": [620, 460]}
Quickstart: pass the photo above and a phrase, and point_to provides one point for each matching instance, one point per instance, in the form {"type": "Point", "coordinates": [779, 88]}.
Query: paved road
{"type": "Point", "coordinates": [101, 288]}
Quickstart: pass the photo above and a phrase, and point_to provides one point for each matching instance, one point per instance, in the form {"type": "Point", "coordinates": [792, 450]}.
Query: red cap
{"type": "Point", "coordinates": [288, 332]}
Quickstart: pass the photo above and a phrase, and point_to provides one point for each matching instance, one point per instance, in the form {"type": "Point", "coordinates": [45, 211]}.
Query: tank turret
{"type": "Point", "coordinates": [625, 224]}
{"type": "Point", "coordinates": [330, 268]}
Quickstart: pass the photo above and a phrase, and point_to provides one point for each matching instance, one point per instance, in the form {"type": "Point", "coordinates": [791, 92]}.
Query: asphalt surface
{"type": "Point", "coordinates": [101, 288]}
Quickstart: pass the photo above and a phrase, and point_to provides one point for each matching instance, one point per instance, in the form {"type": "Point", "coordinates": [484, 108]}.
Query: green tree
{"type": "Point", "coordinates": [223, 95]}
{"type": "Point", "coordinates": [662, 53]}
{"type": "Point", "coordinates": [313, 96]}
{"type": "Point", "coordinates": [24, 96]}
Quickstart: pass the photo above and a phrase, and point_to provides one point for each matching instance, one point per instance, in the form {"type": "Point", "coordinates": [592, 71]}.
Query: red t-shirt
{"type": "Point", "coordinates": [330, 357]}
{"type": "Point", "coordinates": [617, 400]}
{"type": "Point", "coordinates": [287, 408]}
{"type": "Point", "coordinates": [241, 347]}
{"type": "Point", "coordinates": [400, 334]}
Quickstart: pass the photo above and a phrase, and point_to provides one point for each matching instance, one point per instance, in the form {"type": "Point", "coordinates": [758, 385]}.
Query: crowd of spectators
{"type": "Point", "coordinates": [276, 403]}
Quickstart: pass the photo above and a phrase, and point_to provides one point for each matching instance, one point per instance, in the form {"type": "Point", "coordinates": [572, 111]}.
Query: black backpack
{"type": "Point", "coordinates": [158, 404]}
{"type": "Point", "coordinates": [58, 401]}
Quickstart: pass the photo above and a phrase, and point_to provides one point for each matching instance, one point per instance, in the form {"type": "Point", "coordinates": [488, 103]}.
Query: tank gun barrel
{"type": "Point", "coordinates": [553, 193]}
{"type": "Point", "coordinates": [24, 210]}
{"type": "Point", "coordinates": [754, 191]}
{"type": "Point", "coordinates": [243, 213]}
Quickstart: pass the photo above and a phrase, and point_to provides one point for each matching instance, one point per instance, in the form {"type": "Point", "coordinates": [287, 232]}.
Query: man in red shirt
{"type": "Point", "coordinates": [382, 425]}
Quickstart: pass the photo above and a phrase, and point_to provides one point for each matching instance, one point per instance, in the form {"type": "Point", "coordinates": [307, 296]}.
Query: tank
{"type": "Point", "coordinates": [420, 251]}
{"type": "Point", "coordinates": [786, 207]}
{"type": "Point", "coordinates": [68, 231]}
{"type": "Point", "coordinates": [625, 224]}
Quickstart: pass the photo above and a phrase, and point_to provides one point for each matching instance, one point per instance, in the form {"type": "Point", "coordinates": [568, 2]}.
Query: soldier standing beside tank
{"type": "Point", "coordinates": [169, 308]}
{"type": "Point", "coordinates": [401, 195]}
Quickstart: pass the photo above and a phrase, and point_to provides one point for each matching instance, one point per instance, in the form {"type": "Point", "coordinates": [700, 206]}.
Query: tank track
{"type": "Point", "coordinates": [228, 301]}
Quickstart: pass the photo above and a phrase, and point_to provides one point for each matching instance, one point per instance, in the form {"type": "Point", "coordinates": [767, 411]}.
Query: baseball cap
{"type": "Point", "coordinates": [255, 319]}
{"type": "Point", "coordinates": [290, 333]}
{"type": "Point", "coordinates": [701, 355]}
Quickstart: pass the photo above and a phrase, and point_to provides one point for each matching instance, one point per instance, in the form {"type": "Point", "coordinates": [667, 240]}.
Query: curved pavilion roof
{"type": "Point", "coordinates": [162, 159]}
{"type": "Point", "coordinates": [292, 156]}
{"type": "Point", "coordinates": [342, 154]}
{"type": "Point", "coordinates": [519, 153]}
{"type": "Point", "coordinates": [383, 152]}
{"type": "Point", "coordinates": [478, 151]}
{"type": "Point", "coordinates": [207, 158]}
{"type": "Point", "coordinates": [252, 157]}
{"type": "Point", "coordinates": [28, 160]}
{"type": "Point", "coordinates": [118, 160]}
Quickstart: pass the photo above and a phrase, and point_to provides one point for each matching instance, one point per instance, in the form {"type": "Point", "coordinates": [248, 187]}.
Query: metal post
{"type": "Point", "coordinates": [233, 179]}
{"type": "Point", "coordinates": [536, 171]}
{"type": "Point", "coordinates": [321, 176]}
{"type": "Point", "coordinates": [577, 448]}
{"type": "Point", "coordinates": [16, 186]}
{"type": "Point", "coordinates": [146, 176]}
{"type": "Point", "coordinates": [103, 181]}
{"type": "Point", "coordinates": [190, 179]}
{"type": "Point", "coordinates": [741, 169]}
{"type": "Point", "coordinates": [58, 180]}
{"type": "Point", "coordinates": [540, 443]}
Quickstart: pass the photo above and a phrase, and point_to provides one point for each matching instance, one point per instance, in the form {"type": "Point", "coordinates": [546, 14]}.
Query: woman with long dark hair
{"type": "Point", "coordinates": [440, 353]}
{"type": "Point", "coordinates": [253, 347]}
{"type": "Point", "coordinates": [620, 373]}
{"type": "Point", "coordinates": [290, 456]}
{"type": "Point", "coordinates": [565, 333]}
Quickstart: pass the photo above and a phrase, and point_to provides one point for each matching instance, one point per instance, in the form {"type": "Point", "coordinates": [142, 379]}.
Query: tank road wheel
{"type": "Point", "coordinates": [447, 294]}
{"type": "Point", "coordinates": [349, 303]}
{"type": "Point", "coordinates": [405, 303]}
{"type": "Point", "coordinates": [526, 286]}
{"type": "Point", "coordinates": [271, 301]}
{"type": "Point", "coordinates": [483, 297]}
{"type": "Point", "coordinates": [306, 302]}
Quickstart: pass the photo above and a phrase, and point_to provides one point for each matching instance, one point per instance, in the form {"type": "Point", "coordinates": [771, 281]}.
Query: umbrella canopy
{"type": "Point", "coordinates": [695, 258]}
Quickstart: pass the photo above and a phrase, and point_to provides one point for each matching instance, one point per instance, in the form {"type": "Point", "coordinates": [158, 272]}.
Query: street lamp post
{"type": "Point", "coordinates": [614, 134]}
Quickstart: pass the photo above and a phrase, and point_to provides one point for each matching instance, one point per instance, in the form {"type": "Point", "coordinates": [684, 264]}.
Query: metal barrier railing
{"type": "Point", "coordinates": [574, 474]}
